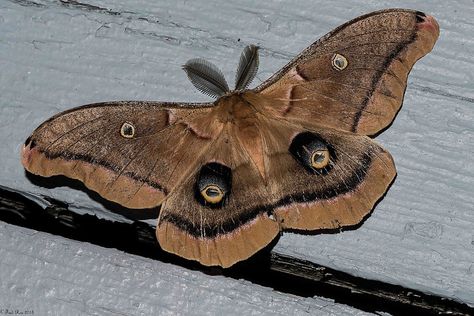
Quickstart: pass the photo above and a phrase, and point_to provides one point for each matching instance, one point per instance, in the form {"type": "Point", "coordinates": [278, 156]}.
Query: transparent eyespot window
{"type": "Point", "coordinates": [127, 130]}
{"type": "Point", "coordinates": [339, 62]}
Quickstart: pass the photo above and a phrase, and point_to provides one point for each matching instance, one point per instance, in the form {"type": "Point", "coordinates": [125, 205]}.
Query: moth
{"type": "Point", "coordinates": [230, 175]}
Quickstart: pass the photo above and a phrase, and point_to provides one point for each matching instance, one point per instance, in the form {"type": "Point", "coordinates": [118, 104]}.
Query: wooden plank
{"type": "Point", "coordinates": [44, 274]}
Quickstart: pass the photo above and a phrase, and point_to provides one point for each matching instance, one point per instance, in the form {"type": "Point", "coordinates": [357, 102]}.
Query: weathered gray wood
{"type": "Point", "coordinates": [58, 54]}
{"type": "Point", "coordinates": [44, 274]}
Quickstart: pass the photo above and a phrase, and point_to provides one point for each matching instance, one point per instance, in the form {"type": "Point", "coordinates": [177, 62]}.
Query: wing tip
{"type": "Point", "coordinates": [428, 23]}
{"type": "Point", "coordinates": [27, 152]}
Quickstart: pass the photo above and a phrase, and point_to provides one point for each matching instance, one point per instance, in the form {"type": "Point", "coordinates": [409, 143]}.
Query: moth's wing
{"type": "Point", "coordinates": [341, 194]}
{"type": "Point", "coordinates": [353, 78]}
{"type": "Point", "coordinates": [87, 144]}
{"type": "Point", "coordinates": [230, 232]}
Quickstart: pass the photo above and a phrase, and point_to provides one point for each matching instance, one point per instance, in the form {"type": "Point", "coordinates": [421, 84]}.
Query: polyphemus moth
{"type": "Point", "coordinates": [293, 153]}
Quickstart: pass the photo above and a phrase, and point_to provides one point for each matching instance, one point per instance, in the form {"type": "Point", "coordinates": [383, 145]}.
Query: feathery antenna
{"type": "Point", "coordinates": [248, 67]}
{"type": "Point", "coordinates": [206, 77]}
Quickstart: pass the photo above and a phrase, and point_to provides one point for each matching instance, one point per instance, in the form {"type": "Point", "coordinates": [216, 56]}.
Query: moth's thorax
{"type": "Point", "coordinates": [235, 106]}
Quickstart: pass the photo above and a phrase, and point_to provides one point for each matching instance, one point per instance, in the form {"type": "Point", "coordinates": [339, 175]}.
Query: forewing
{"type": "Point", "coordinates": [354, 78]}
{"type": "Point", "coordinates": [132, 153]}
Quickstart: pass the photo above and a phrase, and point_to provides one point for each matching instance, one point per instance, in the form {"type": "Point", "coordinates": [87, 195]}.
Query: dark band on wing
{"type": "Point", "coordinates": [393, 55]}
{"type": "Point", "coordinates": [88, 159]}
{"type": "Point", "coordinates": [248, 215]}
{"type": "Point", "coordinates": [378, 76]}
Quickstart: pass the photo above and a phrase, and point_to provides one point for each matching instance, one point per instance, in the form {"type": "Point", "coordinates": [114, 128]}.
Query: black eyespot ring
{"type": "Point", "coordinates": [213, 185]}
{"type": "Point", "coordinates": [313, 152]}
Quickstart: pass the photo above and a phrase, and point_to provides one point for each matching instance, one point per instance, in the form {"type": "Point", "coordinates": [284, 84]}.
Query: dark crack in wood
{"type": "Point", "coordinates": [88, 7]}
{"type": "Point", "coordinates": [28, 3]}
{"type": "Point", "coordinates": [442, 93]}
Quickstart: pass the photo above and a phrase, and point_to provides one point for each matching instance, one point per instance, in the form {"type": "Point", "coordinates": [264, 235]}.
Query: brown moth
{"type": "Point", "coordinates": [229, 175]}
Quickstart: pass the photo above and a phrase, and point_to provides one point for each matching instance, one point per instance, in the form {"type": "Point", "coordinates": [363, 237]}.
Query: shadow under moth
{"type": "Point", "coordinates": [293, 153]}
